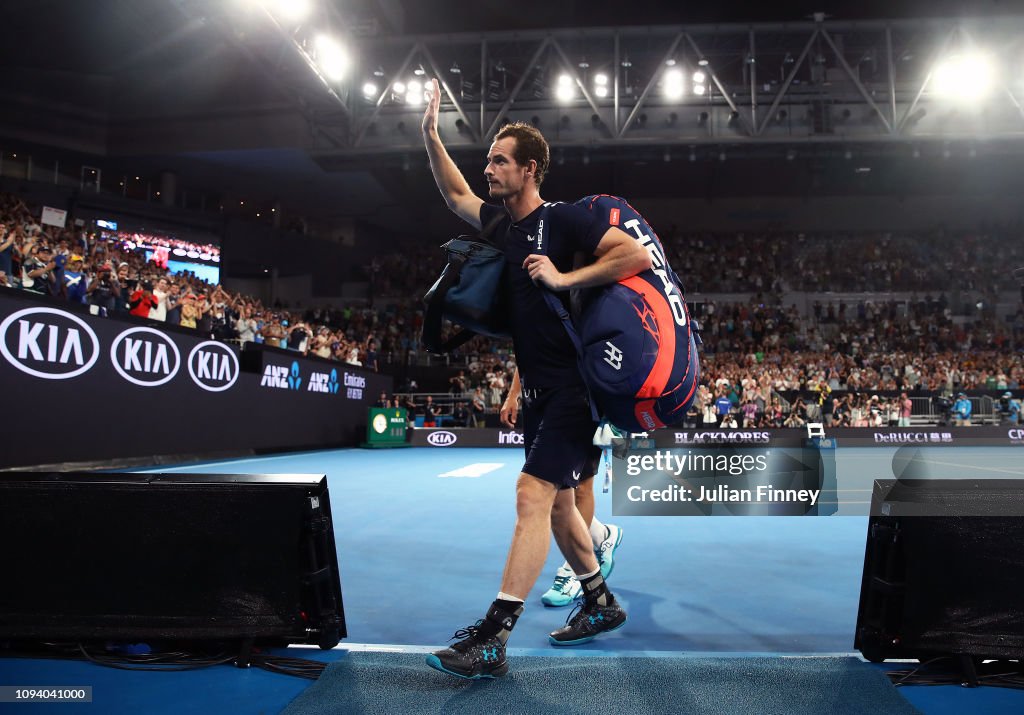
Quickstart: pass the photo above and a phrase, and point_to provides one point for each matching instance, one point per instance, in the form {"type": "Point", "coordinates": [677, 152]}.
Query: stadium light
{"type": "Point", "coordinates": [414, 92]}
{"type": "Point", "coordinates": [672, 84]}
{"type": "Point", "coordinates": [291, 10]}
{"type": "Point", "coordinates": [564, 91]}
{"type": "Point", "coordinates": [369, 90]}
{"type": "Point", "coordinates": [964, 76]}
{"type": "Point", "coordinates": [601, 84]}
{"type": "Point", "coordinates": [699, 79]}
{"type": "Point", "coordinates": [331, 57]}
{"type": "Point", "coordinates": [398, 87]}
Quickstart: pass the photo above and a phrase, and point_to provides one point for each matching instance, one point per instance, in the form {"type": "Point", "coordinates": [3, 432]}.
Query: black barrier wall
{"type": "Point", "coordinates": [83, 388]}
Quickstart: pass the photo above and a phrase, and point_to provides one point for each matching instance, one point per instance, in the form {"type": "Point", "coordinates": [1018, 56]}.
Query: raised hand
{"type": "Point", "coordinates": [433, 105]}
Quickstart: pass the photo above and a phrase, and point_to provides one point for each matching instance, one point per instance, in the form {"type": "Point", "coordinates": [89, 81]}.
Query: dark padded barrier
{"type": "Point", "coordinates": [80, 388]}
{"type": "Point", "coordinates": [169, 557]}
{"type": "Point", "coordinates": [943, 570]}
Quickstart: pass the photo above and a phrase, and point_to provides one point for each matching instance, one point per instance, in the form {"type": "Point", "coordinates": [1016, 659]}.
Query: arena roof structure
{"type": "Point", "coordinates": [247, 92]}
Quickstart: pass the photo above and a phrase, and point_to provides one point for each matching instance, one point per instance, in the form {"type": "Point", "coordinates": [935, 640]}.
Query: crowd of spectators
{"type": "Point", "coordinates": [84, 267]}
{"type": "Point", "coordinates": [789, 364]}
{"type": "Point", "coordinates": [775, 365]}
{"type": "Point", "coordinates": [403, 274]}
{"type": "Point", "coordinates": [872, 347]}
{"type": "Point", "coordinates": [929, 261]}
{"type": "Point", "coordinates": [775, 262]}
{"type": "Point", "coordinates": [472, 394]}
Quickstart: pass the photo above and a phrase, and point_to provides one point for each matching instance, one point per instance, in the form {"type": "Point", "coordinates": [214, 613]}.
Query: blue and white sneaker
{"type": "Point", "coordinates": [564, 590]}
{"type": "Point", "coordinates": [605, 552]}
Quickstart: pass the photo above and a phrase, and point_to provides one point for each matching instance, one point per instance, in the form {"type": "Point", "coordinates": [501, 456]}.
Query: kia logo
{"type": "Point", "coordinates": [213, 366]}
{"type": "Point", "coordinates": [48, 343]}
{"type": "Point", "coordinates": [145, 357]}
{"type": "Point", "coordinates": [442, 438]}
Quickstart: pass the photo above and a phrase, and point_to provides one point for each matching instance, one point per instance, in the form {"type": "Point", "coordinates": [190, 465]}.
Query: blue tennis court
{"type": "Point", "coordinates": [421, 536]}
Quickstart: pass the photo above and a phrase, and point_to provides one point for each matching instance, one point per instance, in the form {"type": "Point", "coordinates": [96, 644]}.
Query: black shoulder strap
{"type": "Point", "coordinates": [549, 297]}
{"type": "Point", "coordinates": [433, 314]}
{"type": "Point", "coordinates": [555, 304]}
{"type": "Point", "coordinates": [488, 230]}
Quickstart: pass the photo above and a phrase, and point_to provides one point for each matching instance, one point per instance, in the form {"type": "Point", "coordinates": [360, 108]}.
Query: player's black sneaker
{"type": "Point", "coordinates": [587, 621]}
{"type": "Point", "coordinates": [475, 656]}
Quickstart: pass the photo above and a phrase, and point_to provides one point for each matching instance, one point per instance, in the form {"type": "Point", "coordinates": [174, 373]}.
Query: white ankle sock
{"type": "Point", "coordinates": [598, 532]}
{"type": "Point", "coordinates": [502, 596]}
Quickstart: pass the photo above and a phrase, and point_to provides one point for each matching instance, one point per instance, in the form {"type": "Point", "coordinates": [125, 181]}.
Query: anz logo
{"type": "Point", "coordinates": [442, 438]}
{"type": "Point", "coordinates": [145, 357]}
{"type": "Point", "coordinates": [323, 382]}
{"type": "Point", "coordinates": [282, 378]}
{"type": "Point", "coordinates": [213, 366]}
{"type": "Point", "coordinates": [48, 343]}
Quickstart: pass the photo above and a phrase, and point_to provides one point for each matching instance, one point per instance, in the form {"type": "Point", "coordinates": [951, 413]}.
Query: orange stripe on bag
{"type": "Point", "coordinates": [691, 368]}
{"type": "Point", "coordinates": [646, 416]}
{"type": "Point", "coordinates": [664, 332]}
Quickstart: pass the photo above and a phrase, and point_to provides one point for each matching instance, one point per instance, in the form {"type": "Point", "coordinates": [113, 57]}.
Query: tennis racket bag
{"type": "Point", "coordinates": [636, 343]}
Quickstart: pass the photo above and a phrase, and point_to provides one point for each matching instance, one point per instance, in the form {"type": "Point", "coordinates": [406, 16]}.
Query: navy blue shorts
{"type": "Point", "coordinates": [558, 431]}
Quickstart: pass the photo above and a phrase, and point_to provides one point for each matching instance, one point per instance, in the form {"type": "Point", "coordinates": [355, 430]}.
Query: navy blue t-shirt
{"type": "Point", "coordinates": [544, 354]}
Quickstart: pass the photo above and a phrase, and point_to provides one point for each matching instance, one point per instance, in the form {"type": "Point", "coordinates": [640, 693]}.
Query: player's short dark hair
{"type": "Point", "coordinates": [530, 145]}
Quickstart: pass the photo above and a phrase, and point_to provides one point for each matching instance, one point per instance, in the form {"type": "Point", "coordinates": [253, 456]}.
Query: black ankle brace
{"type": "Point", "coordinates": [595, 590]}
{"type": "Point", "coordinates": [501, 619]}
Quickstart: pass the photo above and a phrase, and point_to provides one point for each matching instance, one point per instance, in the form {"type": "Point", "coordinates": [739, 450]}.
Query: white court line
{"type": "Point", "coordinates": [244, 460]}
{"type": "Point", "coordinates": [373, 647]}
{"type": "Point", "coordinates": [472, 471]}
{"type": "Point", "coordinates": [396, 648]}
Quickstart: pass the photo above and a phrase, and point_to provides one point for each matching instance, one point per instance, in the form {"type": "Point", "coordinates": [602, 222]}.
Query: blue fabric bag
{"type": "Point", "coordinates": [468, 293]}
